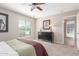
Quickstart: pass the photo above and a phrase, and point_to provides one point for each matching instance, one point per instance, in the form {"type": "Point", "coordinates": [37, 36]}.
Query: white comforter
{"type": "Point", "coordinates": [6, 50]}
{"type": "Point", "coordinates": [16, 48]}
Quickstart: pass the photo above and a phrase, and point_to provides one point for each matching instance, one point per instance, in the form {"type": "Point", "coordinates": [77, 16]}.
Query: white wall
{"type": "Point", "coordinates": [57, 22]}
{"type": "Point", "coordinates": [77, 30]}
{"type": "Point", "coordinates": [57, 27]}
{"type": "Point", "coordinates": [13, 25]}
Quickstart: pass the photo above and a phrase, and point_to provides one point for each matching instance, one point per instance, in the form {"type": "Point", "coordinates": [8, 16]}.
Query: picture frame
{"type": "Point", "coordinates": [3, 22]}
{"type": "Point", "coordinates": [46, 24]}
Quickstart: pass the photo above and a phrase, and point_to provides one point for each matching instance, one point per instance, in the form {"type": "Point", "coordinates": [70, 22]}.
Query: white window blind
{"type": "Point", "coordinates": [25, 28]}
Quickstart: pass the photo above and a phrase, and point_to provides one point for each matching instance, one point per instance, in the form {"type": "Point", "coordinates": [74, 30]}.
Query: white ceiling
{"type": "Point", "coordinates": [48, 8]}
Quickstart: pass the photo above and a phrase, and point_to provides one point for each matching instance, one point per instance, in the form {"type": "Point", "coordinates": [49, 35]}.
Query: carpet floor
{"type": "Point", "coordinates": [59, 50]}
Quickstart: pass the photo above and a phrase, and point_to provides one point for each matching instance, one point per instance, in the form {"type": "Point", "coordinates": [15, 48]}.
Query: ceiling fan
{"type": "Point", "coordinates": [36, 5]}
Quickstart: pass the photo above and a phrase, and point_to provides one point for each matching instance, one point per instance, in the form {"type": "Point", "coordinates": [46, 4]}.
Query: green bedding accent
{"type": "Point", "coordinates": [21, 48]}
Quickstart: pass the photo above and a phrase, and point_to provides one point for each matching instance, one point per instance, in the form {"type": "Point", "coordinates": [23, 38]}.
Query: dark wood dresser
{"type": "Point", "coordinates": [47, 36]}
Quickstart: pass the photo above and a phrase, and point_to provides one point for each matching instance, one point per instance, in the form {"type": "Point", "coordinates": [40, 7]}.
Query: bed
{"type": "Point", "coordinates": [22, 47]}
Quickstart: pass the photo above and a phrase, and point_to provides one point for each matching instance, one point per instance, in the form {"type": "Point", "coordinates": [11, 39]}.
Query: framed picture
{"type": "Point", "coordinates": [46, 24]}
{"type": "Point", "coordinates": [3, 22]}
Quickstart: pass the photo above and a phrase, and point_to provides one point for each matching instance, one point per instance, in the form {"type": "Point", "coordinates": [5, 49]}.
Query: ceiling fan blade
{"type": "Point", "coordinates": [33, 7]}
{"type": "Point", "coordinates": [37, 3]}
{"type": "Point", "coordinates": [39, 8]}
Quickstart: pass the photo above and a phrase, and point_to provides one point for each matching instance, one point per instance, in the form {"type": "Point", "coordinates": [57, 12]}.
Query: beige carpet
{"type": "Point", "coordinates": [59, 50]}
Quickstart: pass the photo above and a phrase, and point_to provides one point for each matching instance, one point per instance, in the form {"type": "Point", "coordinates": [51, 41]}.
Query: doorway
{"type": "Point", "coordinates": [70, 31]}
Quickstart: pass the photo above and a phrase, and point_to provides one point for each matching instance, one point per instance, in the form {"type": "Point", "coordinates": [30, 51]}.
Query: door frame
{"type": "Point", "coordinates": [65, 20]}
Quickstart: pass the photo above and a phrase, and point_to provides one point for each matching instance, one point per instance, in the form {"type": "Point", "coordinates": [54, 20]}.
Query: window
{"type": "Point", "coordinates": [25, 28]}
